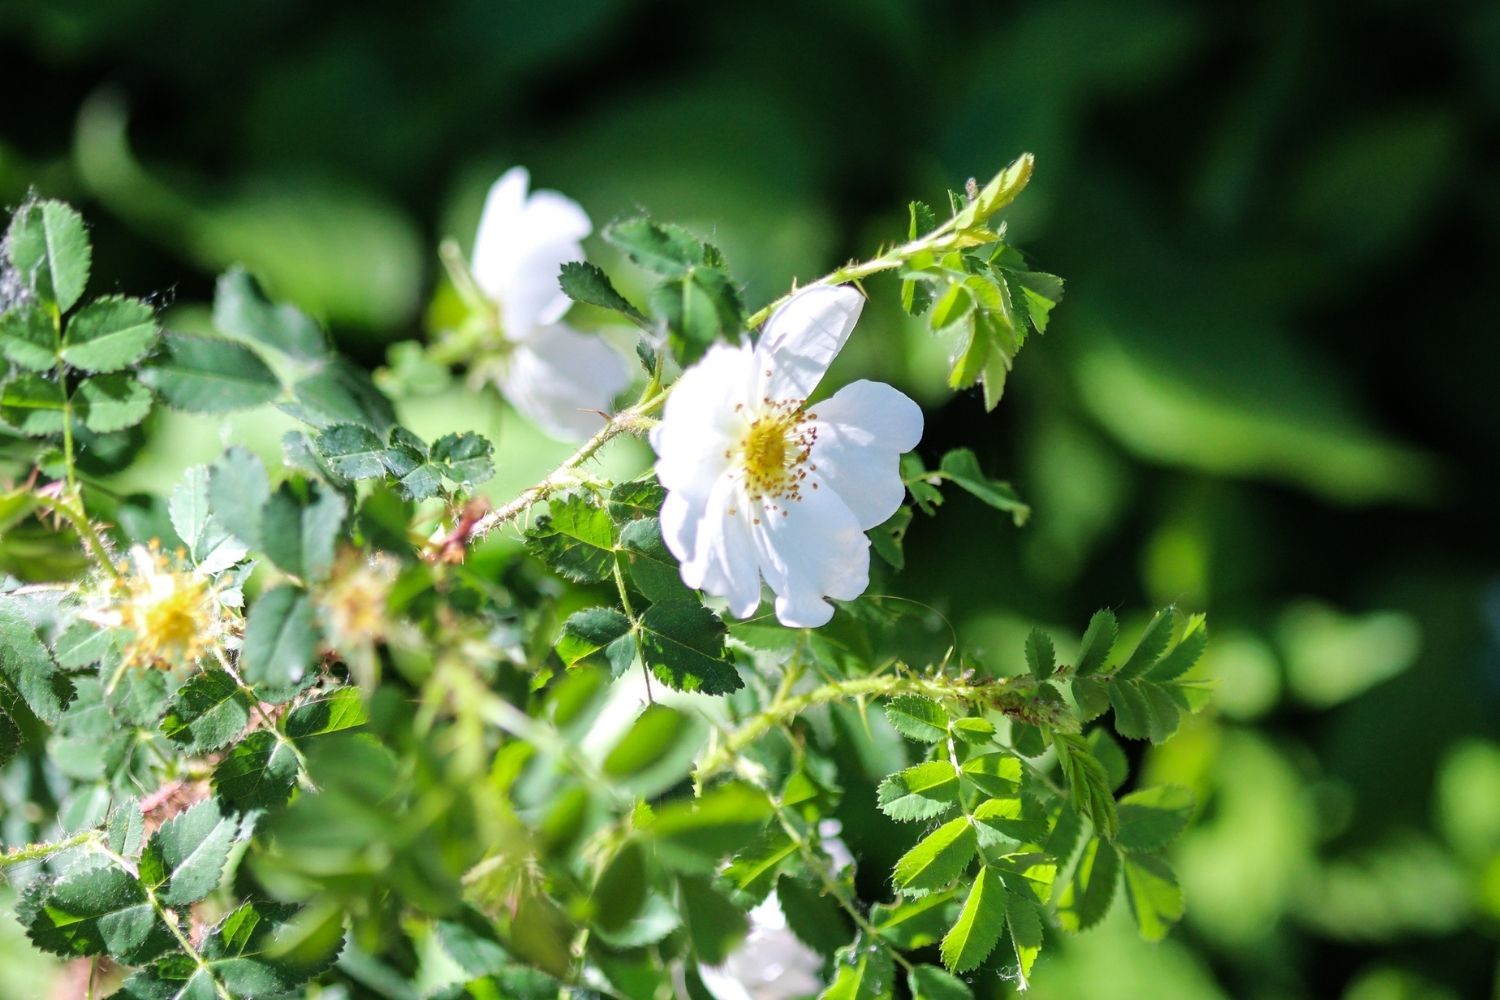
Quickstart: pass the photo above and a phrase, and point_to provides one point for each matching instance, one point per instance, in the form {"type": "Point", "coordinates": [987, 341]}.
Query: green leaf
{"type": "Point", "coordinates": [1001, 190]}
{"type": "Point", "coordinates": [108, 403]}
{"type": "Point", "coordinates": [109, 334]}
{"type": "Point", "coordinates": [917, 718]}
{"type": "Point", "coordinates": [997, 774]}
{"type": "Point", "coordinates": [683, 644]}
{"type": "Point", "coordinates": [586, 632]}
{"type": "Point", "coordinates": [699, 307]}
{"type": "Point", "coordinates": [352, 450]}
{"type": "Point", "coordinates": [920, 792]}
{"type": "Point", "coordinates": [343, 708]}
{"type": "Point", "coordinates": [928, 982]}
{"type": "Point", "coordinates": [698, 833]}
{"type": "Point", "coordinates": [586, 283]}
{"type": "Point", "coordinates": [865, 971]}
{"type": "Point", "coordinates": [620, 892]}
{"type": "Point", "coordinates": [1154, 896]}
{"type": "Point", "coordinates": [666, 249]}
{"type": "Point", "coordinates": [300, 534]}
{"type": "Point", "coordinates": [95, 911]}
{"type": "Point", "coordinates": [1024, 918]}
{"type": "Point", "coordinates": [962, 467]}
{"type": "Point", "coordinates": [280, 639]}
{"type": "Point", "coordinates": [28, 337]}
{"type": "Point", "coordinates": [466, 459]}
{"type": "Point", "coordinates": [208, 711]}
{"type": "Point", "coordinates": [812, 915]}
{"type": "Point", "coordinates": [754, 870]}
{"type": "Point", "coordinates": [653, 569]}
{"type": "Point", "coordinates": [656, 752]}
{"type": "Point", "coordinates": [238, 490]}
{"type": "Point", "coordinates": [82, 644]}
{"type": "Point", "coordinates": [636, 498]}
{"type": "Point", "coordinates": [938, 858]}
{"type": "Point", "coordinates": [212, 548]}
{"type": "Point", "coordinates": [1098, 640]}
{"type": "Point", "coordinates": [209, 375]}
{"type": "Point", "coordinates": [914, 923]}
{"type": "Point", "coordinates": [26, 668]}
{"type": "Point", "coordinates": [469, 939]}
{"type": "Point", "coordinates": [341, 392]}
{"type": "Point", "coordinates": [406, 458]}
{"type": "Point", "coordinates": [575, 538]}
{"type": "Point", "coordinates": [185, 857]}
{"type": "Point", "coordinates": [1086, 897]}
{"type": "Point", "coordinates": [33, 405]}
{"type": "Point", "coordinates": [50, 248]}
{"type": "Point", "coordinates": [1088, 783]}
{"type": "Point", "coordinates": [979, 925]}
{"type": "Point", "coordinates": [715, 926]}
{"type": "Point", "coordinates": [1185, 654]}
{"type": "Point", "coordinates": [256, 773]}
{"type": "Point", "coordinates": [1040, 658]}
{"type": "Point", "coordinates": [242, 312]}
{"type": "Point", "coordinates": [10, 737]}
{"type": "Point", "coordinates": [954, 305]}
{"type": "Point", "coordinates": [127, 830]}
{"type": "Point", "coordinates": [1152, 644]}
{"type": "Point", "coordinates": [1151, 818]}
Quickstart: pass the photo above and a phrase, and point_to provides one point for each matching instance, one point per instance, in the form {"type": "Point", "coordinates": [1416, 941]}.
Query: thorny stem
{"type": "Point", "coordinates": [45, 849]}
{"type": "Point", "coordinates": [783, 710]}
{"type": "Point", "coordinates": [79, 519]}
{"type": "Point", "coordinates": [635, 419]}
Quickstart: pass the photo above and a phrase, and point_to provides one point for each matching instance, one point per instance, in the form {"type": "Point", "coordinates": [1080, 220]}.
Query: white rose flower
{"type": "Point", "coordinates": [559, 378]}
{"type": "Point", "coordinates": [759, 486]}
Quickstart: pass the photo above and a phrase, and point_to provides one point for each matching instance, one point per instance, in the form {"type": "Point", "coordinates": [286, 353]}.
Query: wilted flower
{"type": "Point", "coordinates": [557, 377]}
{"type": "Point", "coordinates": [175, 615]}
{"type": "Point", "coordinates": [353, 608]}
{"type": "Point", "coordinates": [759, 486]}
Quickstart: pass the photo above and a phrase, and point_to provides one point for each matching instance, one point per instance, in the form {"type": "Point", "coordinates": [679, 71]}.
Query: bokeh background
{"type": "Point", "coordinates": [1270, 394]}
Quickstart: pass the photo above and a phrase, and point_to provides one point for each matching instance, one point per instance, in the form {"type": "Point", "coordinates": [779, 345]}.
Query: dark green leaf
{"type": "Point", "coordinates": [1184, 655]}
{"type": "Point", "coordinates": [238, 490]}
{"type": "Point", "coordinates": [28, 337]}
{"type": "Point", "coordinates": [653, 569]}
{"type": "Point", "coordinates": [280, 638]}
{"type": "Point", "coordinates": [1098, 640]}
{"type": "Point", "coordinates": [300, 534]}
{"type": "Point", "coordinates": [469, 939]}
{"type": "Point", "coordinates": [915, 923]}
{"type": "Point", "coordinates": [698, 833]}
{"type": "Point", "coordinates": [109, 334]}
{"type": "Point", "coordinates": [887, 538]}
{"type": "Point", "coordinates": [962, 467]}
{"type": "Point", "coordinates": [466, 459]}
{"type": "Point", "coordinates": [341, 392]}
{"type": "Point", "coordinates": [33, 405]}
{"type": "Point", "coordinates": [575, 538]}
{"type": "Point", "coordinates": [1152, 644]}
{"type": "Point", "coordinates": [813, 915]}
{"type": "Point", "coordinates": [1040, 658]}
{"type": "Point", "coordinates": [586, 283]}
{"type": "Point", "coordinates": [636, 498]}
{"type": "Point", "coordinates": [588, 631]}
{"type": "Point", "coordinates": [26, 668]}
{"type": "Point", "coordinates": [208, 711]}
{"type": "Point", "coordinates": [242, 311]}
{"type": "Point", "coordinates": [352, 450]}
{"type": "Point", "coordinates": [1152, 818]}
{"type": "Point", "coordinates": [683, 644]}
{"type": "Point", "coordinates": [96, 911]}
{"type": "Point", "coordinates": [1155, 898]}
{"type": "Point", "coordinates": [754, 870]}
{"type": "Point", "coordinates": [864, 972]}
{"type": "Point", "coordinates": [209, 375]}
{"type": "Point", "coordinates": [928, 982]}
{"type": "Point", "coordinates": [1086, 897]}
{"type": "Point", "coordinates": [666, 249]}
{"type": "Point", "coordinates": [256, 773]}
{"type": "Point", "coordinates": [406, 458]}
{"type": "Point", "coordinates": [185, 857]}
{"type": "Point", "coordinates": [699, 307]}
{"type": "Point", "coordinates": [715, 926]}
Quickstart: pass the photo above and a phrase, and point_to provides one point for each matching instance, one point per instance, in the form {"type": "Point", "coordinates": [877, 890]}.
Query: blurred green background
{"type": "Point", "coordinates": [1270, 394]}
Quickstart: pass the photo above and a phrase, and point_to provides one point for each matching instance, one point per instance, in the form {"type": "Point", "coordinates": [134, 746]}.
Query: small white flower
{"type": "Point", "coordinates": [760, 486]}
{"type": "Point", "coordinates": [557, 377]}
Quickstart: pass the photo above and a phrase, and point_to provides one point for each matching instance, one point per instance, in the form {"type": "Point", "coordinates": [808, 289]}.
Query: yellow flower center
{"type": "Point", "coordinates": [172, 613]}
{"type": "Point", "coordinates": [774, 452]}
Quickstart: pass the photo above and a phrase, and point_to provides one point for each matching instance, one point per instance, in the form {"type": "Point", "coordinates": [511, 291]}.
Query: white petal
{"type": "Point", "coordinates": [724, 560]}
{"type": "Point", "coordinates": [522, 243]}
{"type": "Point", "coordinates": [494, 244]}
{"type": "Point", "coordinates": [811, 548]}
{"type": "Point", "coordinates": [704, 417]}
{"type": "Point", "coordinates": [802, 338]}
{"type": "Point", "coordinates": [565, 382]}
{"type": "Point", "coordinates": [861, 432]}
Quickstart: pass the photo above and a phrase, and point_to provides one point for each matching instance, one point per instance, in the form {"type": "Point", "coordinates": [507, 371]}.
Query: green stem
{"type": "Point", "coordinates": [80, 522]}
{"type": "Point", "coordinates": [36, 852]}
{"type": "Point", "coordinates": [785, 710]}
